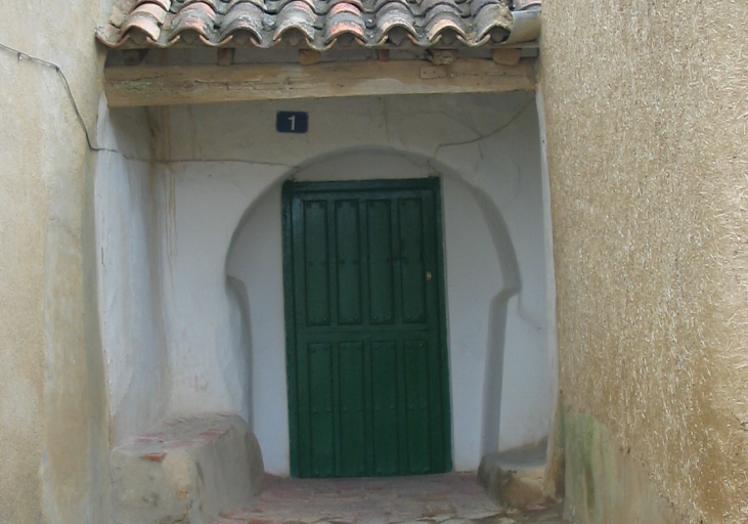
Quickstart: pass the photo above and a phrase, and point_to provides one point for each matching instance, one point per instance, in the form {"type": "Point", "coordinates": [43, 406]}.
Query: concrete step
{"type": "Point", "coordinates": [186, 471]}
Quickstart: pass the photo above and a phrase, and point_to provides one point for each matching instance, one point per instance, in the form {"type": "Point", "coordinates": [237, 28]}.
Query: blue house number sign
{"type": "Point", "coordinates": [292, 122]}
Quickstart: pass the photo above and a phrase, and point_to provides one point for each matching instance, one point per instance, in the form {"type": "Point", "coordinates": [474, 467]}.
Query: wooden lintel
{"type": "Point", "coordinates": [175, 85]}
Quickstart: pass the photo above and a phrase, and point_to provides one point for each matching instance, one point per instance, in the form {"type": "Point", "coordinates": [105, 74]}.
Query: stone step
{"type": "Point", "coordinates": [186, 471]}
{"type": "Point", "coordinates": [515, 478]}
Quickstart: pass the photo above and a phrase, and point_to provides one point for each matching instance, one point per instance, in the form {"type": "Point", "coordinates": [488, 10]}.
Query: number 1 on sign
{"type": "Point", "coordinates": [292, 122]}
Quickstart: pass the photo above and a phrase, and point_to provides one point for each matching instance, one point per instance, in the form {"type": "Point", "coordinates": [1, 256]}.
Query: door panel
{"type": "Point", "coordinates": [416, 401]}
{"type": "Point", "coordinates": [321, 426]}
{"type": "Point", "coordinates": [316, 263]}
{"type": "Point", "coordinates": [412, 270]}
{"type": "Point", "coordinates": [380, 256]}
{"type": "Point", "coordinates": [348, 261]}
{"type": "Point", "coordinates": [365, 321]}
{"type": "Point", "coordinates": [352, 459]}
{"type": "Point", "coordinates": [384, 413]}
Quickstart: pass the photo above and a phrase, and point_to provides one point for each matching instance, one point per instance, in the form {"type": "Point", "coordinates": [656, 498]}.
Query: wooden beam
{"type": "Point", "coordinates": [225, 56]}
{"type": "Point", "coordinates": [309, 56]}
{"type": "Point", "coordinates": [174, 85]}
{"type": "Point", "coordinates": [508, 57]}
{"type": "Point", "coordinates": [441, 56]}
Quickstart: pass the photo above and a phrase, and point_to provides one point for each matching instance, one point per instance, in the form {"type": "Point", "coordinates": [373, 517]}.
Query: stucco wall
{"type": "Point", "coordinates": [53, 422]}
{"type": "Point", "coordinates": [221, 160]}
{"type": "Point", "coordinates": [128, 283]}
{"type": "Point", "coordinates": [647, 119]}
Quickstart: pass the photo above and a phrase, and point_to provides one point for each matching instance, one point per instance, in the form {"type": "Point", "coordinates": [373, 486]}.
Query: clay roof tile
{"type": "Point", "coordinates": [313, 23]}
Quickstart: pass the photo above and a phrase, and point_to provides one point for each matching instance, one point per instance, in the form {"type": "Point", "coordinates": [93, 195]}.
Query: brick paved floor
{"type": "Point", "coordinates": [444, 499]}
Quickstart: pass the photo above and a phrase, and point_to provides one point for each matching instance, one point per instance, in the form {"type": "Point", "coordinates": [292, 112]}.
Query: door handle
{"type": "Point", "coordinates": [428, 276]}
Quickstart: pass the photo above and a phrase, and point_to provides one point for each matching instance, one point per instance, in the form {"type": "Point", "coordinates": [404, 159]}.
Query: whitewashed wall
{"type": "Point", "coordinates": [128, 278]}
{"type": "Point", "coordinates": [219, 171]}
{"type": "Point", "coordinates": [474, 278]}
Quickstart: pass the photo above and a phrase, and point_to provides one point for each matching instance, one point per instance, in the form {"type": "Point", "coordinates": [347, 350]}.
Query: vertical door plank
{"type": "Point", "coordinates": [299, 419]}
{"type": "Point", "coordinates": [439, 422]}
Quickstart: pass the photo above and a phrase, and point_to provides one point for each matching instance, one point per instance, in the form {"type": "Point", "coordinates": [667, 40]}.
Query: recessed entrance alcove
{"type": "Point", "coordinates": [202, 220]}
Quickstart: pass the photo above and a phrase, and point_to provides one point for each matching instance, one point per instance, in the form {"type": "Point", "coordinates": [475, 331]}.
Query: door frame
{"type": "Point", "coordinates": [292, 187]}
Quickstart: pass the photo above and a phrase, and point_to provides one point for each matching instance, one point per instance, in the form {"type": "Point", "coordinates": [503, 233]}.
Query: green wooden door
{"type": "Point", "coordinates": [367, 367]}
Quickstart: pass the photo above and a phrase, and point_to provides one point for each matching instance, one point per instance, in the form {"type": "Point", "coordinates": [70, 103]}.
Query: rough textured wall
{"type": "Point", "coordinates": [52, 409]}
{"type": "Point", "coordinates": [646, 106]}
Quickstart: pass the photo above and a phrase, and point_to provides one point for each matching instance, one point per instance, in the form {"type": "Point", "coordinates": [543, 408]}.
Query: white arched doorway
{"type": "Point", "coordinates": [219, 253]}
{"type": "Point", "coordinates": [481, 278]}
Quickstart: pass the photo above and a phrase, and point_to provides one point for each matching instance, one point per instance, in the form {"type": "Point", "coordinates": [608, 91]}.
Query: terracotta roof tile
{"type": "Point", "coordinates": [318, 24]}
{"type": "Point", "coordinates": [520, 5]}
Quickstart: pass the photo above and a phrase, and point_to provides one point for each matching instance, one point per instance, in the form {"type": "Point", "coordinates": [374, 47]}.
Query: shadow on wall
{"type": "Point", "coordinates": [477, 314]}
{"type": "Point", "coordinates": [494, 369]}
{"type": "Point", "coordinates": [236, 291]}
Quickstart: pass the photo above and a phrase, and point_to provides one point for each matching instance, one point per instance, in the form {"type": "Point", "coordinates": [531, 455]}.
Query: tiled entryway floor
{"type": "Point", "coordinates": [448, 499]}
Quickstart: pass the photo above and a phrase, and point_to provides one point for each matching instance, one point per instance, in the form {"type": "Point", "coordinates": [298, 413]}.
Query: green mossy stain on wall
{"type": "Point", "coordinates": [603, 483]}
